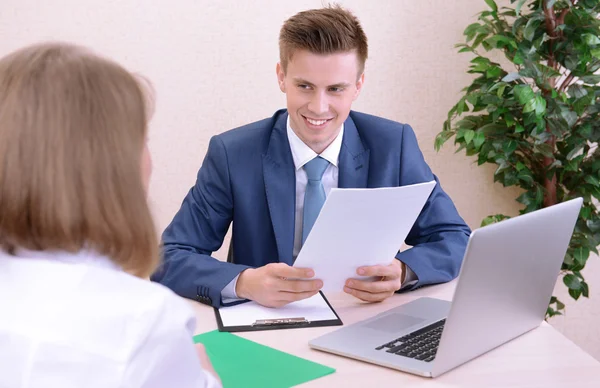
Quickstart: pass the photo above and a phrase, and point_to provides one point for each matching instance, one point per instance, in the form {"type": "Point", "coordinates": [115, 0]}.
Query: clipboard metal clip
{"type": "Point", "coordinates": [280, 321]}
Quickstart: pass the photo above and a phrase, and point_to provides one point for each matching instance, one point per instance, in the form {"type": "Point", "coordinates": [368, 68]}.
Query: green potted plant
{"type": "Point", "coordinates": [534, 113]}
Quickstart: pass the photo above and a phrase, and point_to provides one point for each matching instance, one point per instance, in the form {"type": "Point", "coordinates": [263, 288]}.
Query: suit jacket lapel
{"type": "Point", "coordinates": [354, 159]}
{"type": "Point", "coordinates": [280, 188]}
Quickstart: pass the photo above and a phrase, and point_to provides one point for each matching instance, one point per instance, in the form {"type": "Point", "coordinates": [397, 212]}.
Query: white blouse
{"type": "Point", "coordinates": [77, 320]}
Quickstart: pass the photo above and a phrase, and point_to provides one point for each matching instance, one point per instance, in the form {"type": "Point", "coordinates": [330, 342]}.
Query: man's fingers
{"type": "Point", "coordinates": [367, 296]}
{"type": "Point", "coordinates": [390, 271]}
{"type": "Point", "coordinates": [300, 285]}
{"type": "Point", "coordinates": [285, 271]}
{"type": "Point", "coordinates": [387, 286]}
{"type": "Point", "coordinates": [289, 297]}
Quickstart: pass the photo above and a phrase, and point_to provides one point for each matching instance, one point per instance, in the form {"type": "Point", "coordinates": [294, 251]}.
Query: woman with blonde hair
{"type": "Point", "coordinates": [76, 234]}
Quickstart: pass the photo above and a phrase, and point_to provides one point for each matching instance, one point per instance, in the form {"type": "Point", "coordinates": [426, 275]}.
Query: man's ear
{"type": "Point", "coordinates": [280, 77]}
{"type": "Point", "coordinates": [359, 85]}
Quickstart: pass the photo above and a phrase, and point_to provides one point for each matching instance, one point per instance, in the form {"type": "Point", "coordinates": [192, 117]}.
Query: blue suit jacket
{"type": "Point", "coordinates": [248, 177]}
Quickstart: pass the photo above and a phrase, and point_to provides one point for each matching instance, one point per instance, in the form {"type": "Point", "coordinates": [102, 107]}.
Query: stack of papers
{"type": "Point", "coordinates": [312, 309]}
{"type": "Point", "coordinates": [360, 227]}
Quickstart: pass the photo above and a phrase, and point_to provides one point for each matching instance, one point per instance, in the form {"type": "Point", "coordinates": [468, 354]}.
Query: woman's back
{"type": "Point", "coordinates": [77, 320]}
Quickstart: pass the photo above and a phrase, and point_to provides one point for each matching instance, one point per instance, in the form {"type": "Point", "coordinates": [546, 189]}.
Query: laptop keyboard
{"type": "Point", "coordinates": [421, 344]}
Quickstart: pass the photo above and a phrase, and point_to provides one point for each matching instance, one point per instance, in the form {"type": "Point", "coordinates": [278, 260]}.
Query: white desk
{"type": "Point", "coordinates": [540, 358]}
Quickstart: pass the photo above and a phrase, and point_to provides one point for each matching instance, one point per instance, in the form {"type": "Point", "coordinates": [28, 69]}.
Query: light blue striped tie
{"type": "Point", "coordinates": [314, 197]}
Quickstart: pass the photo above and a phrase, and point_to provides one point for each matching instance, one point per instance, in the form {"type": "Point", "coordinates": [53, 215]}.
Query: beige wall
{"type": "Point", "coordinates": [213, 66]}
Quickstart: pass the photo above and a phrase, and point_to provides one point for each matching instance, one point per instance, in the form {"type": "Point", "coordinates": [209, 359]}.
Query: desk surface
{"type": "Point", "coordinates": [540, 358]}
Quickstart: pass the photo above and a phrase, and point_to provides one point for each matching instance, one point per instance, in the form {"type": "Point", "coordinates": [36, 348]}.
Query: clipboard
{"type": "Point", "coordinates": [315, 311]}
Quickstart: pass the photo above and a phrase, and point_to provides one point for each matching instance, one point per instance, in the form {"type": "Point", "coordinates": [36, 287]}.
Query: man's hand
{"type": "Point", "coordinates": [271, 286]}
{"type": "Point", "coordinates": [391, 277]}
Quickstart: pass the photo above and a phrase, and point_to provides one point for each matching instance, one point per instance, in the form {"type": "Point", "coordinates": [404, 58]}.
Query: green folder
{"type": "Point", "coordinates": [244, 363]}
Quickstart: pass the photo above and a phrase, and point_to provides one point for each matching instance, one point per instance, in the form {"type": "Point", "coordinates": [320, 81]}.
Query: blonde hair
{"type": "Point", "coordinates": [73, 127]}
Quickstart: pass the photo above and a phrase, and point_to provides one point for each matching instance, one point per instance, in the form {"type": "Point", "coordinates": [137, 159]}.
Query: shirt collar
{"type": "Point", "coordinates": [85, 256]}
{"type": "Point", "coordinates": [303, 154]}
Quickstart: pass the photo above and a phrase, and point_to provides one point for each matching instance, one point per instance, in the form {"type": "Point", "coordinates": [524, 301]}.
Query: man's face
{"type": "Point", "coordinates": [320, 90]}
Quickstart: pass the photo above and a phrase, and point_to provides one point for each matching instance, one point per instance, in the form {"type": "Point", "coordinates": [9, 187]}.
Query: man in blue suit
{"type": "Point", "coordinates": [271, 177]}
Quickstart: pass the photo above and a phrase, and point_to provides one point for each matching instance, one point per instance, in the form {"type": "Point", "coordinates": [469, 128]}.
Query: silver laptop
{"type": "Point", "coordinates": [504, 287]}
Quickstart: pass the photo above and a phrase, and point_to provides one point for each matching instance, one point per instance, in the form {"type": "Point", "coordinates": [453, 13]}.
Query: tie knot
{"type": "Point", "coordinates": [316, 168]}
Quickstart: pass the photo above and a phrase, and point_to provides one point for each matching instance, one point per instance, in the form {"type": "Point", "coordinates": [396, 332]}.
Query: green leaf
{"type": "Point", "coordinates": [574, 152]}
{"type": "Point", "coordinates": [478, 40]}
{"type": "Point", "coordinates": [471, 30]}
{"type": "Point", "coordinates": [519, 5]}
{"type": "Point", "coordinates": [520, 166]}
{"type": "Point", "coordinates": [492, 5]}
{"type": "Point", "coordinates": [524, 93]}
{"type": "Point", "coordinates": [595, 52]}
{"type": "Point", "coordinates": [577, 91]}
{"type": "Point", "coordinates": [571, 61]}
{"type": "Point", "coordinates": [472, 98]}
{"type": "Point", "coordinates": [509, 147]}
{"type": "Point", "coordinates": [518, 58]}
{"type": "Point", "coordinates": [441, 138]}
{"type": "Point", "coordinates": [575, 294]}
{"type": "Point", "coordinates": [540, 106]}
{"type": "Point", "coordinates": [479, 139]}
{"type": "Point", "coordinates": [569, 116]}
{"type": "Point", "coordinates": [493, 72]}
{"type": "Point", "coordinates": [530, 28]}
{"type": "Point", "coordinates": [511, 77]}
{"type": "Point", "coordinates": [581, 255]}
{"type": "Point", "coordinates": [585, 213]}
{"type": "Point", "coordinates": [469, 135]}
{"type": "Point", "coordinates": [500, 92]}
{"type": "Point", "coordinates": [581, 105]}
{"type": "Point", "coordinates": [572, 282]}
{"type": "Point", "coordinates": [492, 129]}
{"type": "Point", "coordinates": [526, 176]}
{"type": "Point", "coordinates": [590, 39]}
{"type": "Point", "coordinates": [525, 199]}
{"type": "Point", "coordinates": [539, 195]}
{"type": "Point", "coordinates": [590, 79]}
{"type": "Point", "coordinates": [592, 180]}
{"type": "Point", "coordinates": [465, 123]}
{"type": "Point", "coordinates": [519, 128]}
{"type": "Point", "coordinates": [493, 219]}
{"type": "Point", "coordinates": [585, 291]}
{"type": "Point", "coordinates": [462, 107]}
{"type": "Point", "coordinates": [544, 149]}
{"type": "Point", "coordinates": [501, 41]}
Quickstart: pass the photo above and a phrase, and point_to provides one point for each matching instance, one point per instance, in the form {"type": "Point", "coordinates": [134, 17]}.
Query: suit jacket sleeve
{"type": "Point", "coordinates": [439, 235]}
{"type": "Point", "coordinates": [197, 230]}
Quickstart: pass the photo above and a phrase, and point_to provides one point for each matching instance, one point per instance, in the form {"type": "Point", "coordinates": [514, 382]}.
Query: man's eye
{"type": "Point", "coordinates": [336, 89]}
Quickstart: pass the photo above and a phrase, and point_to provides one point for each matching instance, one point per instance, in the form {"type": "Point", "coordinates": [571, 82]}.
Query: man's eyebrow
{"type": "Point", "coordinates": [338, 85]}
{"type": "Point", "coordinates": [303, 81]}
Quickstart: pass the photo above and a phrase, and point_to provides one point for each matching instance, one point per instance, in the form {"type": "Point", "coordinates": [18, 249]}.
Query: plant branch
{"type": "Point", "coordinates": [566, 83]}
{"type": "Point", "coordinates": [550, 22]}
{"type": "Point", "coordinates": [550, 197]}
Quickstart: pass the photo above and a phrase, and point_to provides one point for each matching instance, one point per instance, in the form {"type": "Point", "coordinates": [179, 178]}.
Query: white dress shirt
{"type": "Point", "coordinates": [302, 154]}
{"type": "Point", "coordinates": [77, 320]}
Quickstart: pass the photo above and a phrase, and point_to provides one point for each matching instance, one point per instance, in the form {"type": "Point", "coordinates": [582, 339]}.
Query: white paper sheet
{"type": "Point", "coordinates": [312, 309]}
{"type": "Point", "coordinates": [360, 227]}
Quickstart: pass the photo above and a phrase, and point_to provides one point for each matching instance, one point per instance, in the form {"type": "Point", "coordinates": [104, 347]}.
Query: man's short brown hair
{"type": "Point", "coordinates": [327, 30]}
{"type": "Point", "coordinates": [72, 130]}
